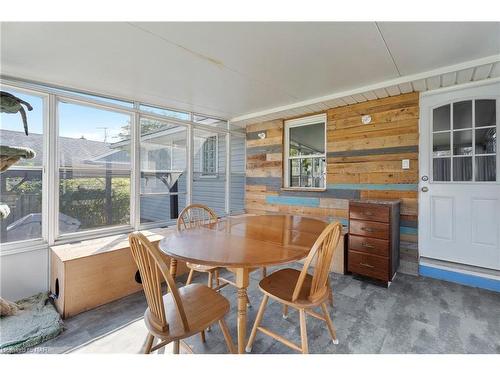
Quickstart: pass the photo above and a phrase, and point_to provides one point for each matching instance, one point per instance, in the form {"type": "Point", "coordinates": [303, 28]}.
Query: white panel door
{"type": "Point", "coordinates": [459, 198]}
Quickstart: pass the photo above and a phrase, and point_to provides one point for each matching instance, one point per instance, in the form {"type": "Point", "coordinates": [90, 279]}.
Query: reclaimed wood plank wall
{"type": "Point", "coordinates": [364, 161]}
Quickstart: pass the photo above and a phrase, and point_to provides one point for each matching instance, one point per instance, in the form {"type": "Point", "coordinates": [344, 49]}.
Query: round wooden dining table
{"type": "Point", "coordinates": [244, 243]}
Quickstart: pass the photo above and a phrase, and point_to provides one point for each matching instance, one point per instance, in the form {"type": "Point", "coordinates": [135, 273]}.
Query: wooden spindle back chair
{"type": "Point", "coordinates": [195, 215]}
{"type": "Point", "coordinates": [322, 252]}
{"type": "Point", "coordinates": [153, 271]}
{"type": "Point", "coordinates": [301, 290]}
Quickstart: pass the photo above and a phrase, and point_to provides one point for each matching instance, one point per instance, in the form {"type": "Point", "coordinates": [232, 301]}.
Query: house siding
{"type": "Point", "coordinates": [363, 161]}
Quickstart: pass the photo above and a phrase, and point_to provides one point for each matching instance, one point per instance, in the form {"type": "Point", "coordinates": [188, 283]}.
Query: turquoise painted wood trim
{"type": "Point", "coordinates": [402, 187]}
{"type": "Point", "coordinates": [460, 278]}
{"type": "Point", "coordinates": [292, 201]}
{"type": "Point", "coordinates": [408, 230]}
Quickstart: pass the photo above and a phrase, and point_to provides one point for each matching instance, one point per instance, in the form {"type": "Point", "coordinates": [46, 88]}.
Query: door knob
{"type": "Point", "coordinates": [425, 178]}
{"type": "Point", "coordinates": [425, 189]}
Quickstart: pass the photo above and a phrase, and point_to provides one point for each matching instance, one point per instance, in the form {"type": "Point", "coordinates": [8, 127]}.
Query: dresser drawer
{"type": "Point", "coordinates": [369, 229]}
{"type": "Point", "coordinates": [369, 245]}
{"type": "Point", "coordinates": [370, 212]}
{"type": "Point", "coordinates": [368, 265]}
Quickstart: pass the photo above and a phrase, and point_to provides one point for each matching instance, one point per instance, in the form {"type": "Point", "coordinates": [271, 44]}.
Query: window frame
{"type": "Point", "coordinates": [299, 122]}
{"type": "Point", "coordinates": [452, 130]}
{"type": "Point", "coordinates": [52, 95]}
{"type": "Point", "coordinates": [203, 156]}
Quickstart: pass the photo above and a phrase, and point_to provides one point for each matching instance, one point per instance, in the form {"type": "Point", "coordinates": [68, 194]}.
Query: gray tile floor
{"type": "Point", "coordinates": [414, 315]}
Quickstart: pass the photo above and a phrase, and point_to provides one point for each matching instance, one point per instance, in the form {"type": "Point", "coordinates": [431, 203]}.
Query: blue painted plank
{"type": "Point", "coordinates": [460, 278]}
{"type": "Point", "coordinates": [402, 187]}
{"type": "Point", "coordinates": [408, 230]}
{"type": "Point", "coordinates": [293, 201]}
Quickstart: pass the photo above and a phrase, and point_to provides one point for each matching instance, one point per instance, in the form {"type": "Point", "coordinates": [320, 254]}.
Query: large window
{"type": "Point", "coordinates": [106, 165]}
{"type": "Point", "coordinates": [94, 168]}
{"type": "Point", "coordinates": [21, 184]}
{"type": "Point", "coordinates": [464, 137]}
{"type": "Point", "coordinates": [305, 157]}
{"type": "Point", "coordinates": [163, 170]}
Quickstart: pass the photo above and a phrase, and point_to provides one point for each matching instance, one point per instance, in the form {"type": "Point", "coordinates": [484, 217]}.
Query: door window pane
{"type": "Point", "coordinates": [441, 118]}
{"type": "Point", "coordinates": [21, 184]}
{"type": "Point", "coordinates": [462, 169]}
{"type": "Point", "coordinates": [486, 168]}
{"type": "Point", "coordinates": [94, 168]}
{"type": "Point", "coordinates": [462, 142]}
{"type": "Point", "coordinates": [441, 144]}
{"type": "Point", "coordinates": [486, 113]}
{"type": "Point", "coordinates": [486, 141]}
{"type": "Point", "coordinates": [441, 169]}
{"type": "Point", "coordinates": [462, 115]}
{"type": "Point", "coordinates": [163, 170]}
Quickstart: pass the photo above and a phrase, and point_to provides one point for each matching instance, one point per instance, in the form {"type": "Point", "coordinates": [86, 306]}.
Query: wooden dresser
{"type": "Point", "coordinates": [374, 238]}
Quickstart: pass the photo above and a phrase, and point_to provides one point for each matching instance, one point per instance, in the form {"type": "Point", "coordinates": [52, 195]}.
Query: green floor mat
{"type": "Point", "coordinates": [38, 321]}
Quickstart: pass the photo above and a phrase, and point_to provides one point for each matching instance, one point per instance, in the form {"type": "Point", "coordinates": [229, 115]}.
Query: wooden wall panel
{"type": "Point", "coordinates": [363, 161]}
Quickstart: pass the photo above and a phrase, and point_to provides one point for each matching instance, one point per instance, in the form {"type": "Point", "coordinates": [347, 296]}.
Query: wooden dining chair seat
{"type": "Point", "coordinates": [182, 312]}
{"type": "Point", "coordinates": [301, 290]}
{"type": "Point", "coordinates": [202, 306]}
{"type": "Point", "coordinates": [200, 267]}
{"type": "Point", "coordinates": [280, 285]}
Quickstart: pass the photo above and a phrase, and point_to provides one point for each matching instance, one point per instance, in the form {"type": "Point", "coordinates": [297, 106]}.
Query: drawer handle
{"type": "Point", "coordinates": [366, 265]}
{"type": "Point", "coordinates": [364, 244]}
{"type": "Point", "coordinates": [368, 229]}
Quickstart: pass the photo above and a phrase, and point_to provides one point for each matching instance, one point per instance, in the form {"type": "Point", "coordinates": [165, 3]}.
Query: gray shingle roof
{"type": "Point", "coordinates": [73, 152]}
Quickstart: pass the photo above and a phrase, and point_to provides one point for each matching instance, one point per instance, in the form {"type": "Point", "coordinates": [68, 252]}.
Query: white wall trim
{"type": "Point", "coordinates": [467, 85]}
{"type": "Point", "coordinates": [380, 85]}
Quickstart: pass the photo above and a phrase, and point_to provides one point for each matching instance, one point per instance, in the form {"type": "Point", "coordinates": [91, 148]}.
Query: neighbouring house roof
{"type": "Point", "coordinates": [73, 152]}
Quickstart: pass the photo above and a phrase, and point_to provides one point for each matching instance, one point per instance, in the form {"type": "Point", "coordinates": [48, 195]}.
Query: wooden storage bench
{"type": "Point", "coordinates": [91, 273]}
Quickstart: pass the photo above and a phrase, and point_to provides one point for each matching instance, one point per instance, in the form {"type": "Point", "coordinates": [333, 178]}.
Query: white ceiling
{"type": "Point", "coordinates": [243, 71]}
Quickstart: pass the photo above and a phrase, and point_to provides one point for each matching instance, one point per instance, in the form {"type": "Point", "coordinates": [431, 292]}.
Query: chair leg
{"type": "Point", "coordinates": [285, 311]}
{"type": "Point", "coordinates": [330, 296]}
{"type": "Point", "coordinates": [217, 281]}
{"type": "Point", "coordinates": [190, 277]}
{"type": "Point", "coordinates": [256, 325]}
{"type": "Point", "coordinates": [210, 284]}
{"type": "Point", "coordinates": [227, 336]}
{"type": "Point", "coordinates": [264, 272]}
{"type": "Point", "coordinates": [176, 347]}
{"type": "Point", "coordinates": [210, 279]}
{"type": "Point", "coordinates": [203, 338]}
{"type": "Point", "coordinates": [303, 331]}
{"type": "Point", "coordinates": [329, 323]}
{"type": "Point", "coordinates": [149, 343]}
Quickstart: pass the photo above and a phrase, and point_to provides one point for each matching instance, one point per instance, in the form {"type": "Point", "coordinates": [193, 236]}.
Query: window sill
{"type": "Point", "coordinates": [319, 190]}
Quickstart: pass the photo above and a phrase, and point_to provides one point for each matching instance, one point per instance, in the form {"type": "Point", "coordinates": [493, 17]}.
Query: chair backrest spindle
{"type": "Point", "coordinates": [322, 250]}
{"type": "Point", "coordinates": [195, 215]}
{"type": "Point", "coordinates": [153, 271]}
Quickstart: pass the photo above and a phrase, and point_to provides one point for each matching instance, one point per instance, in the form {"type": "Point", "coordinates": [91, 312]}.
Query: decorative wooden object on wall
{"type": "Point", "coordinates": [91, 273]}
{"type": "Point", "coordinates": [374, 238]}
